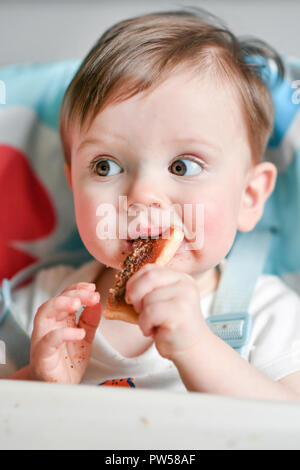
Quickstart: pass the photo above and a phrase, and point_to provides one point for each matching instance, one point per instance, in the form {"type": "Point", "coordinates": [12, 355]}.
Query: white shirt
{"type": "Point", "coordinates": [273, 349]}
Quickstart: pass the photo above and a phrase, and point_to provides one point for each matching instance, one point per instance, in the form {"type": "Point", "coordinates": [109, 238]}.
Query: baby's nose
{"type": "Point", "coordinates": [148, 190]}
{"type": "Point", "coordinates": [135, 206]}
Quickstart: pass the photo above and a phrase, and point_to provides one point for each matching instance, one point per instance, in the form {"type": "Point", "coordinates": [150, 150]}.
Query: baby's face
{"type": "Point", "coordinates": [182, 145]}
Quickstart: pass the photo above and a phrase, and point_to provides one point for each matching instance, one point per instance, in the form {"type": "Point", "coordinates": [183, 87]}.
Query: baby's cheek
{"type": "Point", "coordinates": [86, 219]}
{"type": "Point", "coordinates": [219, 227]}
{"type": "Point", "coordinates": [93, 209]}
{"type": "Point", "coordinates": [97, 231]}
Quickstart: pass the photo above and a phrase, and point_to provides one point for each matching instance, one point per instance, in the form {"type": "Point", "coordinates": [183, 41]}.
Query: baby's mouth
{"type": "Point", "coordinates": [151, 234]}
{"type": "Point", "coordinates": [148, 232]}
{"type": "Point", "coordinates": [145, 234]}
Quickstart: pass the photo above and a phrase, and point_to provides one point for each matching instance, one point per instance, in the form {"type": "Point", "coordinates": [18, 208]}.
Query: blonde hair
{"type": "Point", "coordinates": [139, 53]}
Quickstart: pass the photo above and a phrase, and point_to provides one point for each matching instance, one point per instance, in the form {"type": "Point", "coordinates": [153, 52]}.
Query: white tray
{"type": "Point", "coordinates": [36, 415]}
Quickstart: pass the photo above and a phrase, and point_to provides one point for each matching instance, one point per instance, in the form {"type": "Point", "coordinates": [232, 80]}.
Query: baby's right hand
{"type": "Point", "coordinates": [60, 349]}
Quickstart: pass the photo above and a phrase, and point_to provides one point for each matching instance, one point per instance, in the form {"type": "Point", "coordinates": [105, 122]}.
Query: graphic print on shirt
{"type": "Point", "coordinates": [119, 382]}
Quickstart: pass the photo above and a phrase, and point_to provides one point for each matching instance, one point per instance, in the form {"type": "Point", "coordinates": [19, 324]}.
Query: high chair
{"type": "Point", "coordinates": [38, 231]}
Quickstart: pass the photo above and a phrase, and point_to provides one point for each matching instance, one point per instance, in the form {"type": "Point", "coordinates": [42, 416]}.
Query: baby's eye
{"type": "Point", "coordinates": [106, 167]}
{"type": "Point", "coordinates": [185, 167]}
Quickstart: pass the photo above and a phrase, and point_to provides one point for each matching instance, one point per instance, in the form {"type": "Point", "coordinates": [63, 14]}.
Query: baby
{"type": "Point", "coordinates": [165, 110]}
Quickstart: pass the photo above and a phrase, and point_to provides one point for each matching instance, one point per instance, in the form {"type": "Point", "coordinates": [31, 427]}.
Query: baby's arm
{"type": "Point", "coordinates": [214, 367]}
{"type": "Point", "coordinates": [169, 306]}
{"type": "Point", "coordinates": [60, 349]}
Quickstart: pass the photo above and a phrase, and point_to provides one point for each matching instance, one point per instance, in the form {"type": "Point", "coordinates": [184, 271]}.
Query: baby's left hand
{"type": "Point", "coordinates": [169, 306]}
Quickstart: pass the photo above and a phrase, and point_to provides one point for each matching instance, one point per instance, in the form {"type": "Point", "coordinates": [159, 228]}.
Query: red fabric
{"type": "Point", "coordinates": [26, 210]}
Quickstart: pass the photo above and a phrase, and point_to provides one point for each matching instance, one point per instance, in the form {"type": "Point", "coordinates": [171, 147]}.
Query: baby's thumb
{"type": "Point", "coordinates": [89, 320]}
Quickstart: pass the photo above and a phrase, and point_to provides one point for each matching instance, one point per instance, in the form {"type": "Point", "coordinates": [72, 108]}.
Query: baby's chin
{"type": "Point", "coordinates": [187, 261]}
{"type": "Point", "coordinates": [108, 252]}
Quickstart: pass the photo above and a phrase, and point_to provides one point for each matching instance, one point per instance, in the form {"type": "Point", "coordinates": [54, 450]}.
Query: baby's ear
{"type": "Point", "coordinates": [68, 175]}
{"type": "Point", "coordinates": [260, 184]}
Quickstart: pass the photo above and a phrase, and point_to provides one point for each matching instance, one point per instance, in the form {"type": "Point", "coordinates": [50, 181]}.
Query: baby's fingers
{"type": "Point", "coordinates": [50, 343]}
{"type": "Point", "coordinates": [90, 286]}
{"type": "Point", "coordinates": [89, 320]}
{"type": "Point", "coordinates": [86, 297]}
{"type": "Point", "coordinates": [63, 305]}
{"type": "Point", "coordinates": [57, 307]}
{"type": "Point", "coordinates": [147, 279]}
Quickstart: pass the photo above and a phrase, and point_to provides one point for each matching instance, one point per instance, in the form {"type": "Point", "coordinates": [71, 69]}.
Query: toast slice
{"type": "Point", "coordinates": [150, 250]}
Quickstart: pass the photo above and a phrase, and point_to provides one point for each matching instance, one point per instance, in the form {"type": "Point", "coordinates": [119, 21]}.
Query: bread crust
{"type": "Point", "coordinates": [163, 252]}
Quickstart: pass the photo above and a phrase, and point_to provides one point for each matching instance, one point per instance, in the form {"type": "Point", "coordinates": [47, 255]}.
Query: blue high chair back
{"type": "Point", "coordinates": [273, 247]}
{"type": "Point", "coordinates": [38, 211]}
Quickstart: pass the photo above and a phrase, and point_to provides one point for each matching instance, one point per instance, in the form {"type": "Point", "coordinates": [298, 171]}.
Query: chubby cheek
{"type": "Point", "coordinates": [105, 250]}
{"type": "Point", "coordinates": [219, 230]}
{"type": "Point", "coordinates": [215, 223]}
